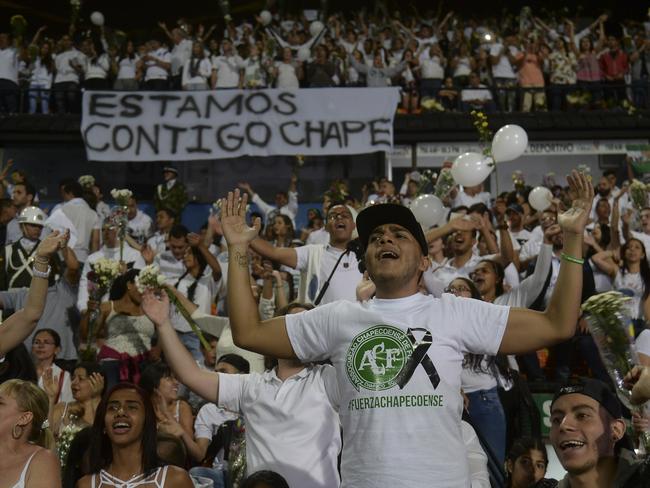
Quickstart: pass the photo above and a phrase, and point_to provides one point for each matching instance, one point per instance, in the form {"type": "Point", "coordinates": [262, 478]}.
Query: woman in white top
{"type": "Point", "coordinates": [123, 445]}
{"type": "Point", "coordinates": [287, 72]}
{"type": "Point", "coordinates": [462, 64]}
{"type": "Point", "coordinates": [26, 460]}
{"type": "Point", "coordinates": [255, 68]}
{"type": "Point", "coordinates": [631, 276]}
{"type": "Point", "coordinates": [197, 70]}
{"type": "Point", "coordinates": [159, 381]}
{"type": "Point", "coordinates": [56, 382]}
{"type": "Point", "coordinates": [97, 67]}
{"type": "Point", "coordinates": [127, 331]}
{"type": "Point", "coordinates": [126, 68]}
{"type": "Point", "coordinates": [40, 80]}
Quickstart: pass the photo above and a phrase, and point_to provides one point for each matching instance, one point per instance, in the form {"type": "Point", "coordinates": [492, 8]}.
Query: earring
{"type": "Point", "coordinates": [19, 434]}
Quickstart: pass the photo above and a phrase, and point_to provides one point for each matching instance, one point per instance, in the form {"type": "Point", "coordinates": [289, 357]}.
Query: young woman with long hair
{"type": "Point", "coordinates": [123, 446]}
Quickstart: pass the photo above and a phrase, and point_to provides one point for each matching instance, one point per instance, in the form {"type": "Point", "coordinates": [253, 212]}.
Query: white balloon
{"type": "Point", "coordinates": [304, 54]}
{"type": "Point", "coordinates": [315, 28]}
{"type": "Point", "coordinates": [265, 17]}
{"type": "Point", "coordinates": [428, 210]}
{"type": "Point", "coordinates": [97, 18]}
{"type": "Point", "coordinates": [471, 169]}
{"type": "Point", "coordinates": [509, 143]}
{"type": "Point", "coordinates": [540, 198]}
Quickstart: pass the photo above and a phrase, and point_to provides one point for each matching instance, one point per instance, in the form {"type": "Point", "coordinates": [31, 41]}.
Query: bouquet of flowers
{"type": "Point", "coordinates": [66, 436]}
{"type": "Point", "coordinates": [100, 279]}
{"type": "Point", "coordinates": [585, 170]}
{"type": "Point", "coordinates": [433, 105]}
{"type": "Point", "coordinates": [481, 124]}
{"type": "Point", "coordinates": [518, 180]}
{"type": "Point", "coordinates": [87, 181]}
{"type": "Point", "coordinates": [150, 279]}
{"type": "Point", "coordinates": [75, 7]}
{"type": "Point", "coordinates": [610, 327]}
{"type": "Point", "coordinates": [444, 184]}
{"type": "Point", "coordinates": [639, 194]}
{"type": "Point", "coordinates": [119, 214]}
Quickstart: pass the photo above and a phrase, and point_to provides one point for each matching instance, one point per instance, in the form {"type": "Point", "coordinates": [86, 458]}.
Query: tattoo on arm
{"type": "Point", "coordinates": [241, 259]}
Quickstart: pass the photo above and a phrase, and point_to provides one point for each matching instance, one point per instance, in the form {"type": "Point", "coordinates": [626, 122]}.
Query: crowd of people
{"type": "Point", "coordinates": [407, 353]}
{"type": "Point", "coordinates": [440, 62]}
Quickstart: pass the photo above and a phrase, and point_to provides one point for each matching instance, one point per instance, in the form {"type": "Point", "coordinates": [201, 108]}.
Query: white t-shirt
{"type": "Point", "coordinates": [432, 68]}
{"type": "Point", "coordinates": [181, 52]}
{"type": "Point", "coordinates": [204, 294]}
{"type": "Point", "coordinates": [9, 64]}
{"type": "Point", "coordinates": [642, 343]}
{"type": "Point", "coordinates": [140, 227]}
{"type": "Point", "coordinates": [152, 70]}
{"type": "Point", "coordinates": [346, 277]}
{"type": "Point", "coordinates": [503, 68]}
{"type": "Point", "coordinates": [64, 71]}
{"type": "Point", "coordinates": [228, 69]}
{"type": "Point", "coordinates": [520, 238]}
{"type": "Point", "coordinates": [287, 77]}
{"type": "Point", "coordinates": [319, 236]}
{"type": "Point", "coordinates": [208, 421]}
{"type": "Point", "coordinates": [479, 93]}
{"type": "Point", "coordinates": [437, 278]}
{"type": "Point", "coordinates": [396, 436]}
{"type": "Point", "coordinates": [127, 68]}
{"type": "Point", "coordinates": [291, 426]}
{"type": "Point", "coordinates": [634, 283]}
{"type": "Point", "coordinates": [98, 69]}
{"type": "Point", "coordinates": [40, 75]}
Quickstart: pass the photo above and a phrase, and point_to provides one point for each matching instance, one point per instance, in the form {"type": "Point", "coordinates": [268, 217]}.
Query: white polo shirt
{"type": "Point", "coordinates": [9, 64]}
{"type": "Point", "coordinates": [292, 426]}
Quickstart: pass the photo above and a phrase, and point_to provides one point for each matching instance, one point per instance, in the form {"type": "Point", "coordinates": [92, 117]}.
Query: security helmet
{"type": "Point", "coordinates": [32, 215]}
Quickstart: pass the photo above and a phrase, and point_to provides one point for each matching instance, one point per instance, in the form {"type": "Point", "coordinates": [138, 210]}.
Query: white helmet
{"type": "Point", "coordinates": [32, 215]}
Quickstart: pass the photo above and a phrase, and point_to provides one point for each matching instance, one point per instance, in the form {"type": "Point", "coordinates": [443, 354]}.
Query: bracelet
{"type": "Point", "coordinates": [41, 259]}
{"type": "Point", "coordinates": [572, 259]}
{"type": "Point", "coordinates": [42, 274]}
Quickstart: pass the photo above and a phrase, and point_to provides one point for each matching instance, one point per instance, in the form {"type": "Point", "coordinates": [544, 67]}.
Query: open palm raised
{"type": "Point", "coordinates": [233, 220]}
{"type": "Point", "coordinates": [575, 219]}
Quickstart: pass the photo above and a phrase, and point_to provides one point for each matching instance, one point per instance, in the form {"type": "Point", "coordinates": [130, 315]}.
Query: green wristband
{"type": "Point", "coordinates": [571, 259]}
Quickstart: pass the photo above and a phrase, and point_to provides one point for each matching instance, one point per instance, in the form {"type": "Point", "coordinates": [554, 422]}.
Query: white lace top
{"type": "Point", "coordinates": [105, 480]}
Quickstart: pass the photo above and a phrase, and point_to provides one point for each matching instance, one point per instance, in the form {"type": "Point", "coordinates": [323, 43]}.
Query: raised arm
{"type": "Point", "coordinates": [195, 241]}
{"type": "Point", "coordinates": [200, 381]}
{"type": "Point", "coordinates": [605, 261]}
{"type": "Point", "coordinates": [283, 255]}
{"type": "Point", "coordinates": [17, 328]}
{"type": "Point", "coordinates": [528, 331]}
{"type": "Point", "coordinates": [269, 337]}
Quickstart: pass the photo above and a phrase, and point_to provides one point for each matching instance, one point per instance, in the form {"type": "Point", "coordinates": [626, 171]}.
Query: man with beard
{"type": "Point", "coordinates": [586, 429]}
{"type": "Point", "coordinates": [398, 356]}
{"type": "Point", "coordinates": [603, 191]}
{"type": "Point", "coordinates": [316, 261]}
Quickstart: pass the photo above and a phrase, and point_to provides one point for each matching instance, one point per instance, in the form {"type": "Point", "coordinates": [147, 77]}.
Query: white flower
{"type": "Point", "coordinates": [86, 180]}
{"type": "Point", "coordinates": [161, 280]}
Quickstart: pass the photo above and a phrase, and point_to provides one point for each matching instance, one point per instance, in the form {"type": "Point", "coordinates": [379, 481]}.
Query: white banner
{"type": "Point", "coordinates": [181, 126]}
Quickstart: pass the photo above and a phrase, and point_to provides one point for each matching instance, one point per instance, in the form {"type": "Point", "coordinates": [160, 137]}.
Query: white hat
{"type": "Point", "coordinates": [32, 215]}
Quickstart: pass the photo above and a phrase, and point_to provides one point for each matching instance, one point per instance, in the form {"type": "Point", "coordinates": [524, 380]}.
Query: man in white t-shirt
{"type": "Point", "coordinates": [316, 261]}
{"type": "Point", "coordinates": [8, 75]}
{"type": "Point", "coordinates": [140, 225]}
{"type": "Point", "coordinates": [156, 65]}
{"type": "Point", "coordinates": [227, 69]}
{"type": "Point", "coordinates": [84, 219]}
{"type": "Point", "coordinates": [502, 59]}
{"type": "Point", "coordinates": [70, 66]}
{"type": "Point", "coordinates": [399, 356]}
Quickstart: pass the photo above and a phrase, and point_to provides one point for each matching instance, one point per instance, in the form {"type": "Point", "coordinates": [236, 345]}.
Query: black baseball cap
{"type": "Point", "coordinates": [389, 213]}
{"type": "Point", "coordinates": [596, 389]}
{"type": "Point", "coordinates": [515, 207]}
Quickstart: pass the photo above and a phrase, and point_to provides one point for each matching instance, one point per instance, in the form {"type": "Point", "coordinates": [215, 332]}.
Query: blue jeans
{"type": "Point", "coordinates": [191, 341]}
{"type": "Point", "coordinates": [217, 476]}
{"type": "Point", "coordinates": [487, 415]}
